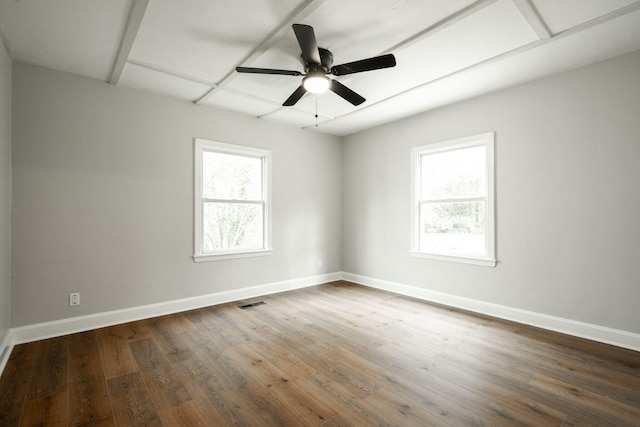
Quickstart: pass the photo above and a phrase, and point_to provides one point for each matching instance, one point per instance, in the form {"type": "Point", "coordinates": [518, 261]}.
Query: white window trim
{"type": "Point", "coordinates": [485, 139]}
{"type": "Point", "coordinates": [202, 145]}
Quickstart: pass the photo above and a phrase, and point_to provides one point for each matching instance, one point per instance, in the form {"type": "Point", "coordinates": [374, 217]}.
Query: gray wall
{"type": "Point", "coordinates": [103, 203]}
{"type": "Point", "coordinates": [5, 192]}
{"type": "Point", "coordinates": [103, 198]}
{"type": "Point", "coordinates": [568, 205]}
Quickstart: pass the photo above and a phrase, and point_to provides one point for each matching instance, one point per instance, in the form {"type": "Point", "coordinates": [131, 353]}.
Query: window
{"type": "Point", "coordinates": [453, 200]}
{"type": "Point", "coordinates": [232, 209]}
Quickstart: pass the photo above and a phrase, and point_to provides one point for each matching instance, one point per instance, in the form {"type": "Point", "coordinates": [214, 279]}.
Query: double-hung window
{"type": "Point", "coordinates": [232, 209]}
{"type": "Point", "coordinates": [453, 200]}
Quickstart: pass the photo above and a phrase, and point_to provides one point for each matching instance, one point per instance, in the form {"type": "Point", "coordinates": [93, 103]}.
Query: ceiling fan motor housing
{"type": "Point", "coordinates": [326, 61]}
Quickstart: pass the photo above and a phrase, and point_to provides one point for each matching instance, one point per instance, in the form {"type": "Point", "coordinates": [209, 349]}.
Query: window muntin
{"type": "Point", "coordinates": [453, 207]}
{"type": "Point", "coordinates": [232, 201]}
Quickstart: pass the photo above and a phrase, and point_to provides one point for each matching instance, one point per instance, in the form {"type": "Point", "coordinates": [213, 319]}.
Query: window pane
{"type": "Point", "coordinates": [456, 173]}
{"type": "Point", "coordinates": [231, 177]}
{"type": "Point", "coordinates": [232, 226]}
{"type": "Point", "coordinates": [453, 228]}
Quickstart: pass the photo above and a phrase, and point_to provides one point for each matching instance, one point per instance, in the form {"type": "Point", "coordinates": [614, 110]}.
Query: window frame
{"type": "Point", "coordinates": [488, 141]}
{"type": "Point", "coordinates": [205, 145]}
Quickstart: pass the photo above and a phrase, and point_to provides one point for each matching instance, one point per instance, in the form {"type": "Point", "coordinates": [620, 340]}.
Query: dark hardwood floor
{"type": "Point", "coordinates": [332, 355]}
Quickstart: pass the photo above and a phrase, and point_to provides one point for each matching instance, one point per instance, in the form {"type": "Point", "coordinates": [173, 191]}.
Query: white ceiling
{"type": "Point", "coordinates": [446, 50]}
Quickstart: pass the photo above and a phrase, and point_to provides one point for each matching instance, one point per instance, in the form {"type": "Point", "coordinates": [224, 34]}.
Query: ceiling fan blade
{"type": "Point", "coordinates": [267, 71]}
{"type": "Point", "coordinates": [307, 41]}
{"type": "Point", "coordinates": [295, 97]}
{"type": "Point", "coordinates": [375, 63]}
{"type": "Point", "coordinates": [346, 93]}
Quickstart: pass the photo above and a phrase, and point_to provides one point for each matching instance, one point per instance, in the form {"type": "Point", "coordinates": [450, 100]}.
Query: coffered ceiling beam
{"type": "Point", "coordinates": [138, 9]}
{"type": "Point", "coordinates": [533, 18]}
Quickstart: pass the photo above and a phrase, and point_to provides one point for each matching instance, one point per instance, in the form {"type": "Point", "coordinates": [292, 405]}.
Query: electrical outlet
{"type": "Point", "coordinates": [320, 263]}
{"type": "Point", "coordinates": [74, 299]}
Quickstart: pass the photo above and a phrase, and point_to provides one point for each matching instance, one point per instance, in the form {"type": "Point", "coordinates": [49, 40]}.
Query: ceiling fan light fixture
{"type": "Point", "coordinates": [316, 83]}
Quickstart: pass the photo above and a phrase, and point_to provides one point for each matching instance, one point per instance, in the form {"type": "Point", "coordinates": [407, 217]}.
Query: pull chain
{"type": "Point", "coordinates": [316, 110]}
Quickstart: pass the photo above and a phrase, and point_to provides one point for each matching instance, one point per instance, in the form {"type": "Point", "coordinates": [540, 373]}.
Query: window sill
{"type": "Point", "coordinates": [231, 255]}
{"type": "Point", "coordinates": [486, 262]}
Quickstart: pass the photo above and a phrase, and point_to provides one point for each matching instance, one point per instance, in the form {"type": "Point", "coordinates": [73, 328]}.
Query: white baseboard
{"type": "Point", "coordinates": [589, 331]}
{"type": "Point", "coordinates": [6, 345]}
{"type": "Point", "coordinates": [72, 325]}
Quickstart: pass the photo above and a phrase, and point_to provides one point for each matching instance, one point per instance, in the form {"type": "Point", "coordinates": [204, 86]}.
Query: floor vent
{"type": "Point", "coordinates": [253, 304]}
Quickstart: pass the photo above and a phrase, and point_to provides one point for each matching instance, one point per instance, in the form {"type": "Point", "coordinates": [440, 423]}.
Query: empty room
{"type": "Point", "coordinates": [320, 213]}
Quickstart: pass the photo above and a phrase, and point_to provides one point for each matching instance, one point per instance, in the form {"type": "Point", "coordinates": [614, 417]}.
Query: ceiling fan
{"type": "Point", "coordinates": [317, 63]}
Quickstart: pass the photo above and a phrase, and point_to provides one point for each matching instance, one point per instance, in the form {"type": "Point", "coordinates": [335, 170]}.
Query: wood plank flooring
{"type": "Point", "coordinates": [332, 355]}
